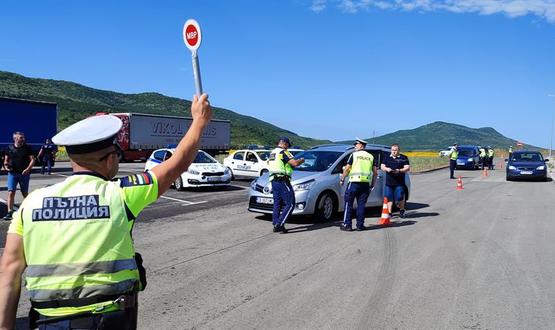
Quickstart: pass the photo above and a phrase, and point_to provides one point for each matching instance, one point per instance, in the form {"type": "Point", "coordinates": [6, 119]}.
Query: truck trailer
{"type": "Point", "coordinates": [141, 134]}
{"type": "Point", "coordinates": [37, 120]}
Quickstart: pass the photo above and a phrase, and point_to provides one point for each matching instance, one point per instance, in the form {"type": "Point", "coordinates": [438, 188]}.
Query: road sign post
{"type": "Point", "coordinates": [192, 38]}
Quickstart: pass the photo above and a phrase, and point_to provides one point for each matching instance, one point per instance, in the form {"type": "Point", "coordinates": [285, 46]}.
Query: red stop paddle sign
{"type": "Point", "coordinates": [192, 35]}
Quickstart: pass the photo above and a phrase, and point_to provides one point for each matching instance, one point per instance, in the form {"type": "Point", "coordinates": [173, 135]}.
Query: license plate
{"type": "Point", "coordinates": [264, 200]}
{"type": "Point", "coordinates": [460, 163]}
{"type": "Point", "coordinates": [213, 178]}
{"type": "Point", "coordinates": [526, 172]}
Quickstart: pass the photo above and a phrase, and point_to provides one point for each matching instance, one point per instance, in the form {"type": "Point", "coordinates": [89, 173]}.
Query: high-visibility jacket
{"type": "Point", "coordinates": [361, 169]}
{"type": "Point", "coordinates": [491, 153]}
{"type": "Point", "coordinates": [77, 241]}
{"type": "Point", "coordinates": [277, 166]}
{"type": "Point", "coordinates": [482, 152]}
{"type": "Point", "coordinates": [454, 154]}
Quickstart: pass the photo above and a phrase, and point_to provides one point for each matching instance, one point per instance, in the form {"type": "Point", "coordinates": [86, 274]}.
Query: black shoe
{"type": "Point", "coordinates": [452, 178]}
{"type": "Point", "coordinates": [283, 229]}
{"type": "Point", "coordinates": [402, 214]}
{"type": "Point", "coordinates": [361, 228]}
{"type": "Point", "coordinates": [277, 229]}
{"type": "Point", "coordinates": [8, 216]}
{"type": "Point", "coordinates": [345, 228]}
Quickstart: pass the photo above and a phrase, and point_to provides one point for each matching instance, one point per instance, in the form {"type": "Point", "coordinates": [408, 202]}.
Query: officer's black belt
{"type": "Point", "coordinates": [80, 302]}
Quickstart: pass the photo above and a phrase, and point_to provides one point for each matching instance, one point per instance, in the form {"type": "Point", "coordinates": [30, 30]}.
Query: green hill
{"type": "Point", "coordinates": [76, 102]}
{"type": "Point", "coordinates": [439, 135]}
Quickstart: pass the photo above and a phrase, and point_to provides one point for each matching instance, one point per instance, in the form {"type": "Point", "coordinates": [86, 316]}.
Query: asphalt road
{"type": "Point", "coordinates": [480, 258]}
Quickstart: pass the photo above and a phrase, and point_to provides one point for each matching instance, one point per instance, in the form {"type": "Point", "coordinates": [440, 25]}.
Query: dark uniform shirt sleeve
{"type": "Point", "coordinates": [285, 157]}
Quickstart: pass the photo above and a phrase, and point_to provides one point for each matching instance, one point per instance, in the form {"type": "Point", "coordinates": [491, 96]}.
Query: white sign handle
{"type": "Point", "coordinates": [192, 38]}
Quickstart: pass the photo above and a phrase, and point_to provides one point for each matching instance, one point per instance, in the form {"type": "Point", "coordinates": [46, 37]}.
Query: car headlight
{"type": "Point", "coordinates": [226, 171]}
{"type": "Point", "coordinates": [511, 167]}
{"type": "Point", "coordinates": [470, 159]}
{"type": "Point", "coordinates": [540, 168]}
{"type": "Point", "coordinates": [303, 186]}
{"type": "Point", "coordinates": [193, 172]}
{"type": "Point", "coordinates": [253, 184]}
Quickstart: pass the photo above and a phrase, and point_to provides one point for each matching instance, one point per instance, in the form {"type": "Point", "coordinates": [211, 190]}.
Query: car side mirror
{"type": "Point", "coordinates": [506, 160]}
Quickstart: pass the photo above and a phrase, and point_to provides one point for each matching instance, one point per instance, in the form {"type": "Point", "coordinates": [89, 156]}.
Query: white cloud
{"type": "Point", "coordinates": [512, 8]}
{"type": "Point", "coordinates": [318, 5]}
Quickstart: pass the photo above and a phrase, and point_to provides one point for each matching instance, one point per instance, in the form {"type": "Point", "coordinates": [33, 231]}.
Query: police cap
{"type": "Point", "coordinates": [361, 141]}
{"type": "Point", "coordinates": [285, 139]}
{"type": "Point", "coordinates": [89, 135]}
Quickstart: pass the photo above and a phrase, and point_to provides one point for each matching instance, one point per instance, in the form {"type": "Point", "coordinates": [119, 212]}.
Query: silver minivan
{"type": "Point", "coordinates": [316, 182]}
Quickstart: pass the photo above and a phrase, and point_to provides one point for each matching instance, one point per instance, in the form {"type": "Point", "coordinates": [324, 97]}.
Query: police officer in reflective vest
{"type": "Point", "coordinates": [281, 163]}
{"type": "Point", "coordinates": [74, 238]}
{"type": "Point", "coordinates": [483, 156]}
{"type": "Point", "coordinates": [491, 155]}
{"type": "Point", "coordinates": [362, 172]}
{"type": "Point", "coordinates": [454, 154]}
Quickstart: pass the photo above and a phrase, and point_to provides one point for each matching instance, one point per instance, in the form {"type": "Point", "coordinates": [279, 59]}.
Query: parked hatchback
{"type": "Point", "coordinates": [204, 171]}
{"type": "Point", "coordinates": [526, 165]}
{"type": "Point", "coordinates": [316, 183]}
{"type": "Point", "coordinates": [469, 157]}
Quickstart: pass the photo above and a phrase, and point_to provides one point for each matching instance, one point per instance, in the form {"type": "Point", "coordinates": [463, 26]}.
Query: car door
{"type": "Point", "coordinates": [376, 196]}
{"type": "Point", "coordinates": [237, 163]}
{"type": "Point", "coordinates": [251, 164]}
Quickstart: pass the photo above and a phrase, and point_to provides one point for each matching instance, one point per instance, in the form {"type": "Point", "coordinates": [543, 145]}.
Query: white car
{"type": "Point", "coordinates": [251, 163]}
{"type": "Point", "coordinates": [447, 152]}
{"type": "Point", "coordinates": [205, 171]}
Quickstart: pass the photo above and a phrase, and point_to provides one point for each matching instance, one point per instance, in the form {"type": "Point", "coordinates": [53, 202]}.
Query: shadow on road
{"type": "Point", "coordinates": [416, 215]}
{"type": "Point", "coordinates": [392, 225]}
{"type": "Point", "coordinates": [416, 206]}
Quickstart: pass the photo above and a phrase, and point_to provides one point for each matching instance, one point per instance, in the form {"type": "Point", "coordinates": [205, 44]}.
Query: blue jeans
{"type": "Point", "coordinates": [46, 162]}
{"type": "Point", "coordinates": [284, 201]}
{"type": "Point", "coordinates": [22, 179]}
{"type": "Point", "coordinates": [394, 193]}
{"type": "Point", "coordinates": [359, 191]}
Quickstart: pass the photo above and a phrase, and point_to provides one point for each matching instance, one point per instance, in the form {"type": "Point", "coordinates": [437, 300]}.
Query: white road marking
{"type": "Point", "coordinates": [182, 200]}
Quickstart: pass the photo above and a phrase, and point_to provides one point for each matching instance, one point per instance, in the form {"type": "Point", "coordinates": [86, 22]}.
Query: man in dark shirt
{"type": "Point", "coordinates": [47, 154]}
{"type": "Point", "coordinates": [19, 161]}
{"type": "Point", "coordinates": [395, 165]}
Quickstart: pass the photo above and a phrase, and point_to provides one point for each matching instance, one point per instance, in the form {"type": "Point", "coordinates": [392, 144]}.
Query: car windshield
{"type": "Point", "coordinates": [295, 152]}
{"type": "Point", "coordinates": [527, 157]}
{"type": "Point", "coordinates": [203, 158]}
{"type": "Point", "coordinates": [264, 155]}
{"type": "Point", "coordinates": [317, 161]}
{"type": "Point", "coordinates": [467, 152]}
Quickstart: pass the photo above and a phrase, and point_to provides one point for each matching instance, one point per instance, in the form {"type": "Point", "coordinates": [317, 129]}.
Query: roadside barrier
{"type": "Point", "coordinates": [459, 183]}
{"type": "Point", "coordinates": [385, 219]}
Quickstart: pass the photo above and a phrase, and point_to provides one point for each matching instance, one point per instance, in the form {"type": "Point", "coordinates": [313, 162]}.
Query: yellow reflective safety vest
{"type": "Point", "coordinates": [276, 165]}
{"type": "Point", "coordinates": [77, 241]}
{"type": "Point", "coordinates": [454, 154]}
{"type": "Point", "coordinates": [482, 152]}
{"type": "Point", "coordinates": [491, 153]}
{"type": "Point", "coordinates": [361, 169]}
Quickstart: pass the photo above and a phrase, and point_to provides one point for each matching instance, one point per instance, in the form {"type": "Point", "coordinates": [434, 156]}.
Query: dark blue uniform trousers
{"type": "Point", "coordinates": [360, 192]}
{"type": "Point", "coordinates": [284, 201]}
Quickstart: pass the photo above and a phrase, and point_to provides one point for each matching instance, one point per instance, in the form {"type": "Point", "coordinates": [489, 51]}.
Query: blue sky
{"type": "Point", "coordinates": [331, 69]}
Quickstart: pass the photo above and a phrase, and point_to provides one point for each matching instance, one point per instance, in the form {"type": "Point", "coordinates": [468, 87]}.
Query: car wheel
{"type": "Point", "coordinates": [264, 171]}
{"type": "Point", "coordinates": [178, 184]}
{"type": "Point", "coordinates": [326, 207]}
{"type": "Point", "coordinates": [508, 178]}
{"type": "Point", "coordinates": [230, 171]}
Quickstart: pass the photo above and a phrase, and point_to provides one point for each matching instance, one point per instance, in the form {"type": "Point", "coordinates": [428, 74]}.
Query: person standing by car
{"type": "Point", "coordinates": [453, 155]}
{"type": "Point", "coordinates": [73, 239]}
{"type": "Point", "coordinates": [395, 165]}
{"type": "Point", "coordinates": [47, 154]}
{"type": "Point", "coordinates": [510, 151]}
{"type": "Point", "coordinates": [483, 156]}
{"type": "Point", "coordinates": [18, 161]}
{"type": "Point", "coordinates": [362, 173]}
{"type": "Point", "coordinates": [491, 155]}
{"type": "Point", "coordinates": [281, 164]}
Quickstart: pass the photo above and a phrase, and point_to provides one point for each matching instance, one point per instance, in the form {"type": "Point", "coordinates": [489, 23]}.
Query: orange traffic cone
{"type": "Point", "coordinates": [385, 219]}
{"type": "Point", "coordinates": [485, 172]}
{"type": "Point", "coordinates": [459, 183]}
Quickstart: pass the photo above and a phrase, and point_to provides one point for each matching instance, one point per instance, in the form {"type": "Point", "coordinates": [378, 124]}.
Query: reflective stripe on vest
{"type": "Point", "coordinates": [361, 170]}
{"type": "Point", "coordinates": [77, 241]}
{"type": "Point", "coordinates": [454, 155]}
{"type": "Point", "coordinates": [276, 165]}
